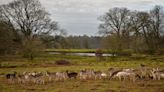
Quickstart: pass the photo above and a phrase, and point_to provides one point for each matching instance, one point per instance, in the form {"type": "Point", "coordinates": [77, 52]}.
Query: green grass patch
{"type": "Point", "coordinates": [76, 50]}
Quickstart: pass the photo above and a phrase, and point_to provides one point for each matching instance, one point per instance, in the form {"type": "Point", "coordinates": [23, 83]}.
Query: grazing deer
{"type": "Point", "coordinates": [91, 74]}
{"type": "Point", "coordinates": [61, 76]}
{"type": "Point", "coordinates": [125, 75]}
{"type": "Point", "coordinates": [51, 75]}
{"type": "Point", "coordinates": [104, 75]}
{"type": "Point", "coordinates": [157, 74]}
{"type": "Point", "coordinates": [112, 72]}
{"type": "Point", "coordinates": [98, 74]}
{"type": "Point", "coordinates": [21, 78]}
{"type": "Point", "coordinates": [72, 74]}
{"type": "Point", "coordinates": [11, 75]}
{"type": "Point", "coordinates": [34, 77]}
{"type": "Point", "coordinates": [83, 74]}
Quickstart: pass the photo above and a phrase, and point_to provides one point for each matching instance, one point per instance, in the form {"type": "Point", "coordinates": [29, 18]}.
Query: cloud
{"type": "Point", "coordinates": [5, 1]}
{"type": "Point", "coordinates": [80, 16]}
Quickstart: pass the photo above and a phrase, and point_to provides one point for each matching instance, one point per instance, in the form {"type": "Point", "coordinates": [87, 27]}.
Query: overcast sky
{"type": "Point", "coordinates": [79, 17]}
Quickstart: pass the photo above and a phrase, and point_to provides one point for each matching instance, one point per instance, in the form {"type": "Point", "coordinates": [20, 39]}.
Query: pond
{"type": "Point", "coordinates": [79, 54]}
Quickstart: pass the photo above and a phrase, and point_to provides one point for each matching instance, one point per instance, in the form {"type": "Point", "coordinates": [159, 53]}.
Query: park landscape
{"type": "Point", "coordinates": [37, 55]}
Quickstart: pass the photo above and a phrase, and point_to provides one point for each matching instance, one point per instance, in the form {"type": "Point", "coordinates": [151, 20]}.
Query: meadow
{"type": "Point", "coordinates": [47, 62]}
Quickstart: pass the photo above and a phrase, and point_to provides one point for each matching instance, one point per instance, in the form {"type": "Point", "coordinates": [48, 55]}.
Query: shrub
{"type": "Point", "coordinates": [160, 52]}
{"type": "Point", "coordinates": [138, 57]}
{"type": "Point", "coordinates": [125, 53]}
{"type": "Point", "coordinates": [99, 54]}
{"type": "Point", "coordinates": [62, 62]}
{"type": "Point", "coordinates": [149, 52]}
{"type": "Point", "coordinates": [31, 48]}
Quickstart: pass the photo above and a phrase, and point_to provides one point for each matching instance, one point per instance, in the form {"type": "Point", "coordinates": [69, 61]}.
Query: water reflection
{"type": "Point", "coordinates": [79, 54]}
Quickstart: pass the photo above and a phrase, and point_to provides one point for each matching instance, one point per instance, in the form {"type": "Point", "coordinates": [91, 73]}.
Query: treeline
{"type": "Point", "coordinates": [140, 31]}
{"type": "Point", "coordinates": [73, 42]}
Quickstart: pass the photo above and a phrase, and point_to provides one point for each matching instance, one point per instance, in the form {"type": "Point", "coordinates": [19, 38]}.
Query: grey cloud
{"type": "Point", "coordinates": [5, 1]}
{"type": "Point", "coordinates": [80, 16]}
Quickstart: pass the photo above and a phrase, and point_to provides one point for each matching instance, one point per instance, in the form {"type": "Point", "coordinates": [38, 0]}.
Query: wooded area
{"type": "Point", "coordinates": [26, 28]}
{"type": "Point", "coordinates": [135, 30]}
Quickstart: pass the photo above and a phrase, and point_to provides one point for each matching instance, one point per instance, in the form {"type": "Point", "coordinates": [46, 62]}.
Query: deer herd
{"type": "Point", "coordinates": [143, 73]}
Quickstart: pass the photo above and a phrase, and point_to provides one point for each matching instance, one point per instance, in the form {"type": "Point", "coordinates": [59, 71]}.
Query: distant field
{"type": "Point", "coordinates": [71, 50]}
{"type": "Point", "coordinates": [46, 62]}
{"type": "Point", "coordinates": [75, 50]}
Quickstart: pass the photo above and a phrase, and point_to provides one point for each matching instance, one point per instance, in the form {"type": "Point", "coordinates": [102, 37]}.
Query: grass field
{"type": "Point", "coordinates": [47, 63]}
{"type": "Point", "coordinates": [70, 50]}
{"type": "Point", "coordinates": [76, 50]}
{"type": "Point", "coordinates": [86, 86]}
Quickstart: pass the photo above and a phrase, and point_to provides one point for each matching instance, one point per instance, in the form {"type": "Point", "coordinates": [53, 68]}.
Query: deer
{"type": "Point", "coordinates": [71, 74]}
{"type": "Point", "coordinates": [157, 74]}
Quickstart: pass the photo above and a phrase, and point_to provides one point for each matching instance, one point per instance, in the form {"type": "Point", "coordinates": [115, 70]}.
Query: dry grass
{"type": "Point", "coordinates": [47, 63]}
{"type": "Point", "coordinates": [86, 86]}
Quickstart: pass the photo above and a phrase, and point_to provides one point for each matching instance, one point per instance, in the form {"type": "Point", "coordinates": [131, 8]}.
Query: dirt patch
{"type": "Point", "coordinates": [110, 90]}
{"type": "Point", "coordinates": [93, 89]}
{"type": "Point", "coordinates": [154, 85]}
{"type": "Point", "coordinates": [62, 62]}
{"type": "Point", "coordinates": [8, 66]}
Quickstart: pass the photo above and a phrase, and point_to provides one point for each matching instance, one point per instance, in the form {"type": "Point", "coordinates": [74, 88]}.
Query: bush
{"type": "Point", "coordinates": [149, 52]}
{"type": "Point", "coordinates": [31, 48]}
{"type": "Point", "coordinates": [62, 62]}
{"type": "Point", "coordinates": [160, 52]}
{"type": "Point", "coordinates": [125, 53]}
{"type": "Point", "coordinates": [99, 54]}
{"type": "Point", "coordinates": [138, 57]}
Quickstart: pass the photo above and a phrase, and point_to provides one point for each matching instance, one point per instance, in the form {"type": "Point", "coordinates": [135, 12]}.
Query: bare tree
{"type": "Point", "coordinates": [137, 30]}
{"type": "Point", "coordinates": [28, 19]}
{"type": "Point", "coordinates": [157, 23]}
{"type": "Point", "coordinates": [116, 21]}
{"type": "Point", "coordinates": [28, 16]}
{"type": "Point", "coordinates": [137, 42]}
{"type": "Point", "coordinates": [151, 27]}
